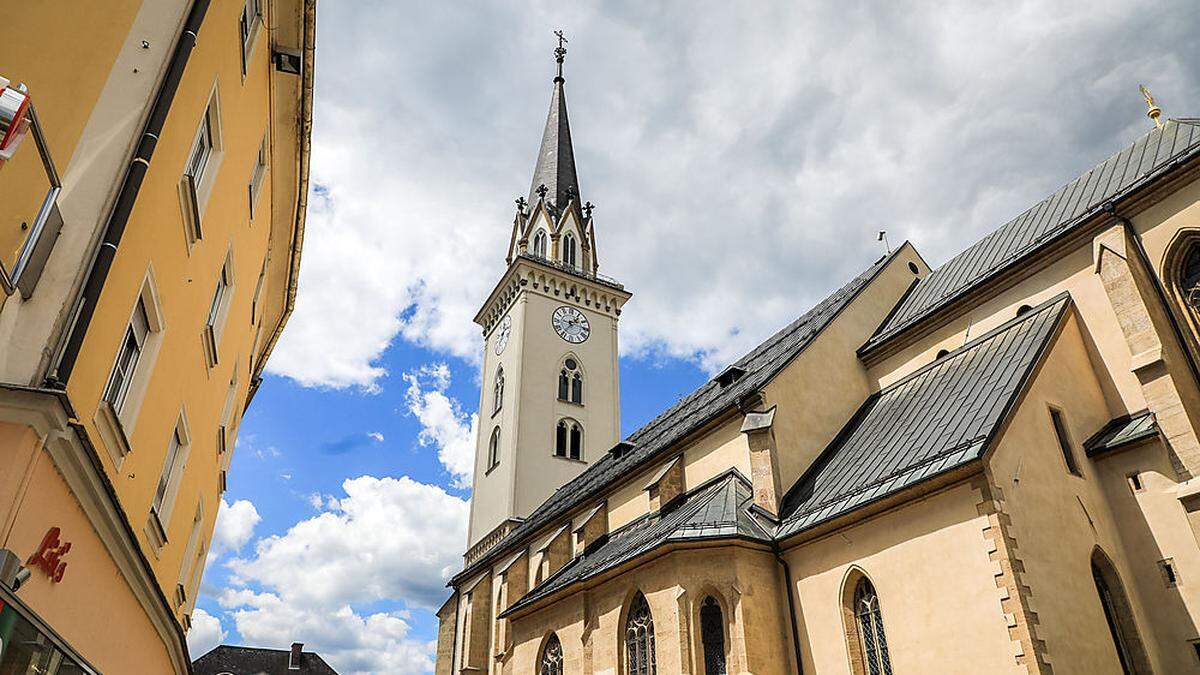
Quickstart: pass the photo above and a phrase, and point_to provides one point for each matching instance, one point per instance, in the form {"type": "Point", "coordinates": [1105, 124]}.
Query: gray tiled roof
{"type": "Point", "coordinates": [697, 408]}
{"type": "Point", "coordinates": [717, 509]}
{"type": "Point", "coordinates": [934, 420]}
{"type": "Point", "coordinates": [555, 166]}
{"type": "Point", "coordinates": [1148, 158]}
{"type": "Point", "coordinates": [257, 661]}
{"type": "Point", "coordinates": [1122, 431]}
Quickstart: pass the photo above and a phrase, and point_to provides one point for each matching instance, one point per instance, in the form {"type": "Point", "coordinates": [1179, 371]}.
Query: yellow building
{"type": "Point", "coordinates": [991, 466]}
{"type": "Point", "coordinates": [150, 232]}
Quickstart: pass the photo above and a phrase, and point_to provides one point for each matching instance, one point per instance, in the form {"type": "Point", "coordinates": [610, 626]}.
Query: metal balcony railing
{"type": "Point", "coordinates": [572, 269]}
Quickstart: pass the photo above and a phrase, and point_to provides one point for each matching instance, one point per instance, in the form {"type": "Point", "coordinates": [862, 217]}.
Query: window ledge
{"type": "Point", "coordinates": [112, 433]}
{"type": "Point", "coordinates": [497, 412]}
{"type": "Point", "coordinates": [571, 403]}
{"type": "Point", "coordinates": [568, 459]}
{"type": "Point", "coordinates": [156, 534]}
{"type": "Point", "coordinates": [492, 468]}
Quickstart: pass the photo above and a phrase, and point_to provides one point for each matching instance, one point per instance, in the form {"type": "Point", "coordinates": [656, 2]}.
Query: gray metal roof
{"type": "Point", "coordinates": [697, 408]}
{"type": "Point", "coordinates": [934, 420]}
{"type": "Point", "coordinates": [1148, 158]}
{"type": "Point", "coordinates": [258, 661]}
{"type": "Point", "coordinates": [718, 509]}
{"type": "Point", "coordinates": [1122, 431]}
{"type": "Point", "coordinates": [555, 166]}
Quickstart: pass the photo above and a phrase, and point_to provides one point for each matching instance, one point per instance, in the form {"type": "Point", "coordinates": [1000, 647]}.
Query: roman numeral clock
{"type": "Point", "coordinates": [571, 325]}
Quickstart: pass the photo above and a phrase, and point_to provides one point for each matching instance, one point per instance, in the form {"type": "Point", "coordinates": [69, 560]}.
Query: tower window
{"type": "Point", "coordinates": [494, 449]}
{"type": "Point", "coordinates": [539, 244]}
{"type": "Point", "coordinates": [569, 257]}
{"type": "Point", "coordinates": [498, 391]}
{"type": "Point", "coordinates": [568, 439]}
{"type": "Point", "coordinates": [570, 382]}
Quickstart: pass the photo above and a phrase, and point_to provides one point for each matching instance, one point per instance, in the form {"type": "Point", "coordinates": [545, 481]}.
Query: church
{"type": "Point", "coordinates": [987, 467]}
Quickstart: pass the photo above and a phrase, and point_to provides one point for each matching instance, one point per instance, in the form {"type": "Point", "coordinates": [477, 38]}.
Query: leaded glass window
{"type": "Point", "coordinates": [712, 636]}
{"type": "Point", "coordinates": [539, 244]}
{"type": "Point", "coordinates": [639, 638]}
{"type": "Point", "coordinates": [552, 657]}
{"type": "Point", "coordinates": [1189, 276]}
{"type": "Point", "coordinates": [870, 629]}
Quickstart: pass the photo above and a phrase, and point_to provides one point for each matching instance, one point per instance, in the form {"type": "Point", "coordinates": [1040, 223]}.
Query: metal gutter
{"type": "Point", "coordinates": [127, 196]}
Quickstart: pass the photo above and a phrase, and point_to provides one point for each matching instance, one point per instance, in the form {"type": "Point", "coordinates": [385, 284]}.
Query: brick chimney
{"type": "Point", "coordinates": [294, 658]}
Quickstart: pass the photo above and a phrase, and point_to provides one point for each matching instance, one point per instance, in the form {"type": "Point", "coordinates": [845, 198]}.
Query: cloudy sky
{"type": "Point", "coordinates": [742, 158]}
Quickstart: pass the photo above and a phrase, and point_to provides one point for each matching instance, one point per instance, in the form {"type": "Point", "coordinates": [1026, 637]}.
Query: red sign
{"type": "Point", "coordinates": [48, 557]}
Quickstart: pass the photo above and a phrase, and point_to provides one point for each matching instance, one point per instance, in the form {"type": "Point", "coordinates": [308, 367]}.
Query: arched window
{"type": "Point", "coordinates": [639, 638]}
{"type": "Point", "coordinates": [568, 252]}
{"type": "Point", "coordinates": [942, 353]}
{"type": "Point", "coordinates": [712, 636]}
{"type": "Point", "coordinates": [868, 648]}
{"type": "Point", "coordinates": [568, 439]}
{"type": "Point", "coordinates": [498, 390]}
{"type": "Point", "coordinates": [1189, 276]}
{"type": "Point", "coordinates": [570, 382]}
{"type": "Point", "coordinates": [494, 449]}
{"type": "Point", "coordinates": [539, 243]}
{"type": "Point", "coordinates": [552, 657]}
{"type": "Point", "coordinates": [1119, 615]}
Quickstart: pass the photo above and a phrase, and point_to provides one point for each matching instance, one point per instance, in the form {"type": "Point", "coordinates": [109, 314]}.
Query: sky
{"type": "Point", "coordinates": [742, 158]}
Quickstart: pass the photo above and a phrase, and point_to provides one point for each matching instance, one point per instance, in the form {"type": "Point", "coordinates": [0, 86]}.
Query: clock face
{"type": "Point", "coordinates": [502, 335]}
{"type": "Point", "coordinates": [571, 325]}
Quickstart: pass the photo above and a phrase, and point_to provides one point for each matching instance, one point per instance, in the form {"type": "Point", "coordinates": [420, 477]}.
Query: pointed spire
{"type": "Point", "coordinates": [555, 168]}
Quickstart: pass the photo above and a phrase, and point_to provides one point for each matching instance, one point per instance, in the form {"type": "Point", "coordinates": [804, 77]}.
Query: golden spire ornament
{"type": "Point", "coordinates": [1153, 111]}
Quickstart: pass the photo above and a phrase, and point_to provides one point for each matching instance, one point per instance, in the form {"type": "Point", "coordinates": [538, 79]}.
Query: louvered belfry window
{"type": "Point", "coordinates": [870, 629]}
{"type": "Point", "coordinates": [639, 638]}
{"type": "Point", "coordinates": [552, 657]}
{"type": "Point", "coordinates": [712, 635]}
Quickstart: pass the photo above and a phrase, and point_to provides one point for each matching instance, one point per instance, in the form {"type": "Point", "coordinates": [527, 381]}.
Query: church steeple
{"type": "Point", "coordinates": [555, 168]}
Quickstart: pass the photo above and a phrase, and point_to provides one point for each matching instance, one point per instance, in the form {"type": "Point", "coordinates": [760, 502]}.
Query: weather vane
{"type": "Point", "coordinates": [1153, 111]}
{"type": "Point", "coordinates": [559, 52]}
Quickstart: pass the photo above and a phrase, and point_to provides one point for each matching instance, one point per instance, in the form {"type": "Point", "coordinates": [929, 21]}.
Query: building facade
{"type": "Point", "coordinates": [150, 231]}
{"type": "Point", "coordinates": [991, 466]}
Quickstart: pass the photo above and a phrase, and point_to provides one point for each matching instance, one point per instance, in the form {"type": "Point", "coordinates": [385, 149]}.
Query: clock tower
{"type": "Point", "coordinates": [550, 403]}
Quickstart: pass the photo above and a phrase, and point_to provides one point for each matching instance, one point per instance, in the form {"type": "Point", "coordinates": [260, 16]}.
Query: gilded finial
{"type": "Point", "coordinates": [1153, 111]}
{"type": "Point", "coordinates": [559, 53]}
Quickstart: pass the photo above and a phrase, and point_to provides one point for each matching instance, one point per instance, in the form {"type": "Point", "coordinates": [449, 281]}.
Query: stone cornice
{"type": "Point", "coordinates": [526, 273]}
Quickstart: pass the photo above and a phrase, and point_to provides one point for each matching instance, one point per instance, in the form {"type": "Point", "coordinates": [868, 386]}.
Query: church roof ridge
{"type": "Point", "coordinates": [1150, 157]}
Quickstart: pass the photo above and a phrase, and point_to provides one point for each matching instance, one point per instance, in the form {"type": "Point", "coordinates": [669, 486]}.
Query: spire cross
{"type": "Point", "coordinates": [559, 52]}
{"type": "Point", "coordinates": [587, 209]}
{"type": "Point", "coordinates": [542, 189]}
{"type": "Point", "coordinates": [521, 204]}
{"type": "Point", "coordinates": [1153, 111]}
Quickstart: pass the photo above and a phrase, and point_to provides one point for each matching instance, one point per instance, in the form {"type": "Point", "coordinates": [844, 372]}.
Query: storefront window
{"type": "Point", "coordinates": [25, 649]}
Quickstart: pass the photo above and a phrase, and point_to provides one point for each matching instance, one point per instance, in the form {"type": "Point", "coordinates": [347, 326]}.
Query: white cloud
{"type": "Point", "coordinates": [443, 423]}
{"type": "Point", "coordinates": [742, 158]}
{"type": "Point", "coordinates": [206, 632]}
{"type": "Point", "coordinates": [376, 436]}
{"type": "Point", "coordinates": [388, 539]}
{"type": "Point", "coordinates": [350, 642]}
{"type": "Point", "coordinates": [235, 525]}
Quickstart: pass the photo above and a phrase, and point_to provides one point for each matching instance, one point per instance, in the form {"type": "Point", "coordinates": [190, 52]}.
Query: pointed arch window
{"type": "Point", "coordinates": [869, 646]}
{"type": "Point", "coordinates": [712, 636]}
{"type": "Point", "coordinates": [570, 382]}
{"type": "Point", "coordinates": [539, 243]}
{"type": "Point", "coordinates": [639, 638]}
{"type": "Point", "coordinates": [569, 254]}
{"type": "Point", "coordinates": [498, 391]}
{"type": "Point", "coordinates": [1119, 615]}
{"type": "Point", "coordinates": [1189, 276]}
{"type": "Point", "coordinates": [494, 449]}
{"type": "Point", "coordinates": [568, 439]}
{"type": "Point", "coordinates": [552, 657]}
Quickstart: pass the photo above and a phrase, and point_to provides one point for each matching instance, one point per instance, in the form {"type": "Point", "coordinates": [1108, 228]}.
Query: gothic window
{"type": "Point", "coordinates": [872, 649]}
{"type": "Point", "coordinates": [568, 254]}
{"type": "Point", "coordinates": [552, 657]}
{"type": "Point", "coordinates": [1189, 277]}
{"type": "Point", "coordinates": [570, 382]}
{"type": "Point", "coordinates": [639, 638]}
{"type": "Point", "coordinates": [539, 244]}
{"type": "Point", "coordinates": [568, 439]}
{"type": "Point", "coordinates": [1119, 616]}
{"type": "Point", "coordinates": [1064, 441]}
{"type": "Point", "coordinates": [494, 449]}
{"type": "Point", "coordinates": [712, 636]}
{"type": "Point", "coordinates": [498, 391]}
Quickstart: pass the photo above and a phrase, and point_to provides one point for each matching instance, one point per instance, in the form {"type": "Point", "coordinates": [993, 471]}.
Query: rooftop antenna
{"type": "Point", "coordinates": [559, 52]}
{"type": "Point", "coordinates": [1153, 111]}
{"type": "Point", "coordinates": [883, 237]}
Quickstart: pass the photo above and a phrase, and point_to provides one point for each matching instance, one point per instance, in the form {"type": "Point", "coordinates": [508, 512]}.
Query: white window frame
{"type": "Point", "coordinates": [258, 174]}
{"type": "Point", "coordinates": [249, 20]}
{"type": "Point", "coordinates": [162, 502]}
{"type": "Point", "coordinates": [199, 175]}
{"type": "Point", "coordinates": [218, 310]}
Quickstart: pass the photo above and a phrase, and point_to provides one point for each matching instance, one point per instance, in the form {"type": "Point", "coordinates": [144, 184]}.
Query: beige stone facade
{"type": "Point", "coordinates": [1058, 535]}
